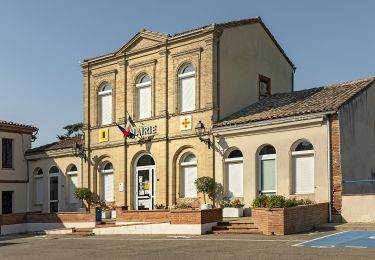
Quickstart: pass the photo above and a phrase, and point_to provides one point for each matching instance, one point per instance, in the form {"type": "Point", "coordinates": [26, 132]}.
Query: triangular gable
{"type": "Point", "coordinates": [142, 40]}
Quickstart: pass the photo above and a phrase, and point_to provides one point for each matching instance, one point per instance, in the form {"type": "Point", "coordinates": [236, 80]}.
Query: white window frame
{"type": "Point", "coordinates": [139, 86]}
{"type": "Point", "coordinates": [103, 172]}
{"type": "Point", "coordinates": [102, 94]}
{"type": "Point", "coordinates": [70, 174]}
{"type": "Point", "coordinates": [228, 161]}
{"type": "Point", "coordinates": [296, 154]}
{"type": "Point", "coordinates": [183, 76]}
{"type": "Point", "coordinates": [264, 158]}
{"type": "Point", "coordinates": [38, 176]}
{"type": "Point", "coordinates": [182, 180]}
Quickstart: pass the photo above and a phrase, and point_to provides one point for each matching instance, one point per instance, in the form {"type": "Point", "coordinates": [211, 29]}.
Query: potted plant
{"type": "Point", "coordinates": [106, 210]}
{"type": "Point", "coordinates": [207, 186]}
{"type": "Point", "coordinates": [84, 194]}
{"type": "Point", "coordinates": [232, 209]}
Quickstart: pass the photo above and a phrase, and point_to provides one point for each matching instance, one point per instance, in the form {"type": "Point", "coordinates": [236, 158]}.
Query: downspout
{"type": "Point", "coordinates": [329, 169]}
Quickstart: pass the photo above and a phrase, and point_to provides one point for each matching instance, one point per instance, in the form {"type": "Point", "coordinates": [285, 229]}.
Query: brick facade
{"type": "Point", "coordinates": [157, 216]}
{"type": "Point", "coordinates": [336, 189]}
{"type": "Point", "coordinates": [283, 221]}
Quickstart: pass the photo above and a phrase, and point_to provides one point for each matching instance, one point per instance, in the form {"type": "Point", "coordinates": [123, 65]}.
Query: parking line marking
{"type": "Point", "coordinates": [357, 246]}
{"type": "Point", "coordinates": [301, 244]}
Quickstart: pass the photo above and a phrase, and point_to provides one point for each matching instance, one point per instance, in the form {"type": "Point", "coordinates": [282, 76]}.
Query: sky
{"type": "Point", "coordinates": [43, 42]}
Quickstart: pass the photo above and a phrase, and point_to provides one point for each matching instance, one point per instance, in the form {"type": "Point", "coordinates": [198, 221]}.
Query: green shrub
{"type": "Point", "coordinates": [307, 201]}
{"type": "Point", "coordinates": [206, 185]}
{"type": "Point", "coordinates": [236, 203]}
{"type": "Point", "coordinates": [292, 203]}
{"type": "Point", "coordinates": [260, 201]}
{"type": "Point", "coordinates": [183, 205]}
{"type": "Point", "coordinates": [276, 201]}
{"type": "Point", "coordinates": [84, 194]}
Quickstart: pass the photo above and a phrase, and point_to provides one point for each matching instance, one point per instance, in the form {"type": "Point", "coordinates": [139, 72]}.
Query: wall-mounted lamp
{"type": "Point", "coordinates": [200, 131]}
{"type": "Point", "coordinates": [79, 151]}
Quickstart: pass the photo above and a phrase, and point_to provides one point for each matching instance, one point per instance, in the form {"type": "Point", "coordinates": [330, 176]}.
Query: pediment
{"type": "Point", "coordinates": [143, 40]}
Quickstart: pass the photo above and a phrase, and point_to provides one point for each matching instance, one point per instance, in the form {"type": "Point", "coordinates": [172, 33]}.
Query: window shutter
{"type": "Point", "coordinates": [235, 179]}
{"type": "Point", "coordinates": [268, 176]}
{"type": "Point", "coordinates": [303, 174]}
{"type": "Point", "coordinates": [73, 184]}
{"type": "Point", "coordinates": [38, 190]}
{"type": "Point", "coordinates": [108, 186]}
{"type": "Point", "coordinates": [144, 102]}
{"type": "Point", "coordinates": [187, 94]}
{"type": "Point", "coordinates": [106, 108]}
{"type": "Point", "coordinates": [189, 177]}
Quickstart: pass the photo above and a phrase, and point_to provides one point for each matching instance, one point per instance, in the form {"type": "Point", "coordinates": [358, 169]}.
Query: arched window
{"type": "Point", "coordinates": [187, 89]}
{"type": "Point", "coordinates": [144, 97]}
{"type": "Point", "coordinates": [188, 176]}
{"type": "Point", "coordinates": [145, 160]}
{"type": "Point", "coordinates": [107, 182]}
{"type": "Point", "coordinates": [72, 175]}
{"type": "Point", "coordinates": [105, 104]}
{"type": "Point", "coordinates": [38, 186]}
{"type": "Point", "coordinates": [303, 168]}
{"type": "Point", "coordinates": [234, 174]}
{"type": "Point", "coordinates": [54, 169]}
{"type": "Point", "coordinates": [267, 170]}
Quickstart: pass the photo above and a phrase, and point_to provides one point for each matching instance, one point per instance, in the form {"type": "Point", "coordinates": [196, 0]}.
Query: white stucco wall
{"type": "Point", "coordinates": [358, 208]}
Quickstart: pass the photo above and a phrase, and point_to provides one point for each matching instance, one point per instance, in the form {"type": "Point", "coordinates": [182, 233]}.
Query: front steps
{"type": "Point", "coordinates": [235, 227]}
{"type": "Point", "coordinates": [89, 231]}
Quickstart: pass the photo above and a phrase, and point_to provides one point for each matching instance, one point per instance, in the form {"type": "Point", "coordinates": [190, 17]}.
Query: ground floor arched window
{"type": "Point", "coordinates": [72, 175]}
{"type": "Point", "coordinates": [303, 168]}
{"type": "Point", "coordinates": [38, 186]}
{"type": "Point", "coordinates": [234, 174]}
{"type": "Point", "coordinates": [188, 176]}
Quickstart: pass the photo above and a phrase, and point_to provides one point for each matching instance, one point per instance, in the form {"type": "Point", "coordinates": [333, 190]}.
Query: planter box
{"type": "Point", "coordinates": [113, 214]}
{"type": "Point", "coordinates": [232, 212]}
{"type": "Point", "coordinates": [106, 214]}
{"type": "Point", "coordinates": [283, 221]}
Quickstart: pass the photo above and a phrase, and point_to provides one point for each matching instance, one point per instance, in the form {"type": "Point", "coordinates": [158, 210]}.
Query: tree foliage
{"type": "Point", "coordinates": [71, 131]}
{"type": "Point", "coordinates": [207, 186]}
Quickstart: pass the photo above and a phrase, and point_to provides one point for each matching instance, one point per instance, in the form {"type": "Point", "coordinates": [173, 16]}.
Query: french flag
{"type": "Point", "coordinates": [127, 131]}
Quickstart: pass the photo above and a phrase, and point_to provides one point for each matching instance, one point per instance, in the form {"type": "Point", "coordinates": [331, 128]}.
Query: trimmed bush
{"type": "Point", "coordinates": [278, 201]}
{"type": "Point", "coordinates": [260, 201]}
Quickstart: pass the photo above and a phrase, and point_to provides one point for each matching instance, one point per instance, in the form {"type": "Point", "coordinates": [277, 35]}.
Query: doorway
{"type": "Point", "coordinates": [145, 183]}
{"type": "Point", "coordinates": [54, 189]}
{"type": "Point", "coordinates": [7, 202]}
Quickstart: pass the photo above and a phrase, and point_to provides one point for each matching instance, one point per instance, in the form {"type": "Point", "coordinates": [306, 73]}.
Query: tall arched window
{"type": "Point", "coordinates": [105, 104]}
{"type": "Point", "coordinates": [303, 168]}
{"type": "Point", "coordinates": [188, 176]}
{"type": "Point", "coordinates": [144, 97]}
{"type": "Point", "coordinates": [54, 198]}
{"type": "Point", "coordinates": [107, 182]}
{"type": "Point", "coordinates": [234, 174]}
{"type": "Point", "coordinates": [267, 170]}
{"type": "Point", "coordinates": [72, 175]}
{"type": "Point", "coordinates": [187, 89]}
{"type": "Point", "coordinates": [38, 186]}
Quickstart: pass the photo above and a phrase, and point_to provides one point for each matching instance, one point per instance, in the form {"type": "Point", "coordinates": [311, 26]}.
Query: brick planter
{"type": "Point", "coordinates": [154, 216]}
{"type": "Point", "coordinates": [283, 221]}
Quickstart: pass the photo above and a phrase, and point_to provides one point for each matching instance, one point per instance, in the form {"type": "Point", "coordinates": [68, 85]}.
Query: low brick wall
{"type": "Point", "coordinates": [174, 216]}
{"type": "Point", "coordinates": [283, 221]}
{"type": "Point", "coordinates": [154, 216]}
{"type": "Point", "coordinates": [60, 217]}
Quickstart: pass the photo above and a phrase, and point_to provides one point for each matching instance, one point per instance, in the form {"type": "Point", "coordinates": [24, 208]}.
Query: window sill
{"type": "Point", "coordinates": [8, 169]}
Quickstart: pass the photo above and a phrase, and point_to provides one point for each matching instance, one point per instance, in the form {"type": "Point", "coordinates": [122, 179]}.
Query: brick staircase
{"type": "Point", "coordinates": [83, 231]}
{"type": "Point", "coordinates": [235, 227]}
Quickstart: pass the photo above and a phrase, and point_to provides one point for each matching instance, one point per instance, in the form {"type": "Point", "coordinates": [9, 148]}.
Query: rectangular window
{"type": "Point", "coordinates": [268, 176]}
{"type": "Point", "coordinates": [108, 187]}
{"type": "Point", "coordinates": [144, 102]}
{"type": "Point", "coordinates": [303, 174]}
{"type": "Point", "coordinates": [73, 184]}
{"type": "Point", "coordinates": [7, 153]}
{"type": "Point", "coordinates": [7, 202]}
{"type": "Point", "coordinates": [187, 94]}
{"type": "Point", "coordinates": [235, 179]}
{"type": "Point", "coordinates": [264, 87]}
{"type": "Point", "coordinates": [106, 107]}
{"type": "Point", "coordinates": [189, 175]}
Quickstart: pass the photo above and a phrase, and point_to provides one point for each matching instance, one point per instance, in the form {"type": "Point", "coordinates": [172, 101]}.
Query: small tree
{"type": "Point", "coordinates": [71, 131]}
{"type": "Point", "coordinates": [84, 194]}
{"type": "Point", "coordinates": [206, 185]}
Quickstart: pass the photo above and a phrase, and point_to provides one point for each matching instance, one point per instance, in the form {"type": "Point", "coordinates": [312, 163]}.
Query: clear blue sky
{"type": "Point", "coordinates": [42, 43]}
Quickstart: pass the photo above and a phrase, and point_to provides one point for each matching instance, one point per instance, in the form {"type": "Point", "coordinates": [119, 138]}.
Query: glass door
{"type": "Point", "coordinates": [54, 194]}
{"type": "Point", "coordinates": [145, 189]}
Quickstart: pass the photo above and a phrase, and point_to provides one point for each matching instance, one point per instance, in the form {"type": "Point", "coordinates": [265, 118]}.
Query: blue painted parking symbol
{"type": "Point", "coordinates": [354, 239]}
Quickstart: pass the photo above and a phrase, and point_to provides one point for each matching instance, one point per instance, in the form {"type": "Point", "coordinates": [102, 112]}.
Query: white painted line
{"type": "Point", "coordinates": [356, 246]}
{"type": "Point", "coordinates": [301, 244]}
{"type": "Point", "coordinates": [186, 239]}
{"type": "Point", "coordinates": [373, 237]}
{"type": "Point", "coordinates": [323, 246]}
{"type": "Point", "coordinates": [179, 237]}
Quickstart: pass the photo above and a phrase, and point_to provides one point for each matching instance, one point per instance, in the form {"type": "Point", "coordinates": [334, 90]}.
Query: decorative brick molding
{"type": "Point", "coordinates": [283, 221]}
{"type": "Point", "coordinates": [336, 181]}
{"type": "Point", "coordinates": [174, 216]}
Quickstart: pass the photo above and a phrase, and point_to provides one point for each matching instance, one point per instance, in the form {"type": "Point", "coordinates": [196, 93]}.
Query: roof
{"type": "Point", "coordinates": [303, 102]}
{"type": "Point", "coordinates": [63, 144]}
{"type": "Point", "coordinates": [14, 124]}
{"type": "Point", "coordinates": [224, 25]}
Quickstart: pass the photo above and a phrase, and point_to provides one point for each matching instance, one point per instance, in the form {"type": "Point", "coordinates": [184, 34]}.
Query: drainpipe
{"type": "Point", "coordinates": [329, 169]}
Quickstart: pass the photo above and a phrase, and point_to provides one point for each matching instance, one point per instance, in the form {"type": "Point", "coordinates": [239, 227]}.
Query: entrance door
{"type": "Point", "coordinates": [53, 194]}
{"type": "Point", "coordinates": [7, 202]}
{"type": "Point", "coordinates": [145, 196]}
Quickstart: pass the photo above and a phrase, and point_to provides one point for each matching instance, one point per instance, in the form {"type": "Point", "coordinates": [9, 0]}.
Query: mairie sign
{"type": "Point", "coordinates": [145, 130]}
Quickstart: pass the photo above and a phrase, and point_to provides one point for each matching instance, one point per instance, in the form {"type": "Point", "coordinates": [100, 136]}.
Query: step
{"type": "Point", "coordinates": [244, 227]}
{"type": "Point", "coordinates": [234, 223]}
{"type": "Point", "coordinates": [83, 231]}
{"type": "Point", "coordinates": [236, 231]}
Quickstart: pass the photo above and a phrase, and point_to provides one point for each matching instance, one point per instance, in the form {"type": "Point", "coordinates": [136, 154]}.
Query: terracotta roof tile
{"type": "Point", "coordinates": [67, 143]}
{"type": "Point", "coordinates": [10, 123]}
{"type": "Point", "coordinates": [308, 101]}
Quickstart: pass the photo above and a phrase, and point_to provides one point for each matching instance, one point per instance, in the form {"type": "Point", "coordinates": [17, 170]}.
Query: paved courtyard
{"type": "Point", "coordinates": [174, 247]}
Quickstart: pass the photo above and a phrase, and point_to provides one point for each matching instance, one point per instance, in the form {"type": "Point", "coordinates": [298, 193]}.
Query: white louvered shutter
{"type": "Point", "coordinates": [39, 190]}
{"type": "Point", "coordinates": [268, 175]}
{"type": "Point", "coordinates": [189, 175]}
{"type": "Point", "coordinates": [108, 186]}
{"type": "Point", "coordinates": [144, 102]}
{"type": "Point", "coordinates": [73, 184]}
{"type": "Point", "coordinates": [106, 109]}
{"type": "Point", "coordinates": [187, 93]}
{"type": "Point", "coordinates": [235, 179]}
{"type": "Point", "coordinates": [303, 174]}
